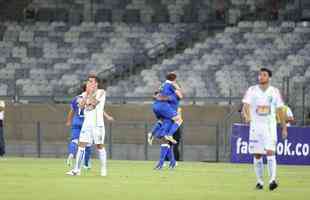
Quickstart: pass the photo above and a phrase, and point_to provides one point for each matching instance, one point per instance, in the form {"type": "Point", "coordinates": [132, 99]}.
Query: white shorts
{"type": "Point", "coordinates": [92, 135]}
{"type": "Point", "coordinates": [261, 140]}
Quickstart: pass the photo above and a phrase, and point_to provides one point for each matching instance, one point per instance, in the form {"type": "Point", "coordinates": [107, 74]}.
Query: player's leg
{"type": "Point", "coordinates": [72, 149]}
{"type": "Point", "coordinates": [171, 157]}
{"type": "Point", "coordinates": [165, 111]}
{"type": "Point", "coordinates": [177, 136]}
{"type": "Point", "coordinates": [164, 148]}
{"type": "Point", "coordinates": [270, 147]}
{"type": "Point", "coordinates": [259, 170]}
{"type": "Point", "coordinates": [177, 122]}
{"type": "Point", "coordinates": [170, 113]}
{"type": "Point", "coordinates": [256, 147]}
{"type": "Point", "coordinates": [166, 126]}
{"type": "Point", "coordinates": [156, 127]}
{"type": "Point", "coordinates": [73, 144]}
{"type": "Point", "coordinates": [272, 169]}
{"type": "Point", "coordinates": [154, 131]}
{"type": "Point", "coordinates": [99, 135]}
{"type": "Point", "coordinates": [87, 156]}
{"type": "Point", "coordinates": [85, 138]}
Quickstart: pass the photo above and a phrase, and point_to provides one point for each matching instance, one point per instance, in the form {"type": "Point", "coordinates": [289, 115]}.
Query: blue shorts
{"type": "Point", "coordinates": [163, 110]}
{"type": "Point", "coordinates": [163, 130]}
{"type": "Point", "coordinates": [75, 132]}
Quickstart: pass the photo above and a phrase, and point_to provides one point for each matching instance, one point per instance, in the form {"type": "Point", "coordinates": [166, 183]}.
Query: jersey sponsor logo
{"type": "Point", "coordinates": [263, 110]}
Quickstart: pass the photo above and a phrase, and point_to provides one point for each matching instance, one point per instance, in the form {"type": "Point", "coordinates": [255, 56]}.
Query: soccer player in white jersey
{"type": "Point", "coordinates": [261, 103]}
{"type": "Point", "coordinates": [93, 130]}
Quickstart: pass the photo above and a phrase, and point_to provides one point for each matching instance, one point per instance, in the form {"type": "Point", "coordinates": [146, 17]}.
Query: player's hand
{"type": "Point", "coordinates": [247, 119]}
{"type": "Point", "coordinates": [110, 118]}
{"type": "Point", "coordinates": [82, 102]}
{"type": "Point", "coordinates": [93, 101]}
{"type": "Point", "coordinates": [176, 86]}
{"type": "Point", "coordinates": [150, 138]}
{"type": "Point", "coordinates": [284, 132]}
{"type": "Point", "coordinates": [68, 123]}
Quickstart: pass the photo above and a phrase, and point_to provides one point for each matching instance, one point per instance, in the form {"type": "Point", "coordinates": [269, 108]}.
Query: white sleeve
{"type": "Point", "coordinates": [248, 96]}
{"type": "Point", "coordinates": [100, 95]}
{"type": "Point", "coordinates": [2, 104]}
{"type": "Point", "coordinates": [279, 101]}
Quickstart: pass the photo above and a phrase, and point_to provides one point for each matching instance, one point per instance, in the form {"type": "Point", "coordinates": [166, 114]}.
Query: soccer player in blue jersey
{"type": "Point", "coordinates": [165, 108]}
{"type": "Point", "coordinates": [75, 120]}
{"type": "Point", "coordinates": [166, 105]}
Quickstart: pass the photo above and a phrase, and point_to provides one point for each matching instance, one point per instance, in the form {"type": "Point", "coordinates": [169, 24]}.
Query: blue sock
{"type": "Point", "coordinates": [171, 157]}
{"type": "Point", "coordinates": [163, 153]}
{"type": "Point", "coordinates": [174, 127]}
{"type": "Point", "coordinates": [72, 148]}
{"type": "Point", "coordinates": [87, 156]}
{"type": "Point", "coordinates": [156, 127]}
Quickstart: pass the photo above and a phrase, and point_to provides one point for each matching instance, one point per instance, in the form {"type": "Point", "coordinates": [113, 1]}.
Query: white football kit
{"type": "Point", "coordinates": [263, 124]}
{"type": "Point", "coordinates": [93, 130]}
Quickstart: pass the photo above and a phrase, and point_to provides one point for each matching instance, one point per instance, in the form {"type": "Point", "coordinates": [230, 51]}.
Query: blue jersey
{"type": "Point", "coordinates": [167, 89]}
{"type": "Point", "coordinates": [165, 109]}
{"type": "Point", "coordinates": [174, 101]}
{"type": "Point", "coordinates": [78, 117]}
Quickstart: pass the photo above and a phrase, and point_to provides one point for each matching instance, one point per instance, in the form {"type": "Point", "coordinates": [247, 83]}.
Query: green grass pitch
{"type": "Point", "coordinates": [45, 179]}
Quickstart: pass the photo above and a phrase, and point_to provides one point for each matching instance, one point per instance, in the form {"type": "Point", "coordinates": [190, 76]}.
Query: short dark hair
{"type": "Point", "coordinates": [83, 87]}
{"type": "Point", "coordinates": [171, 76]}
{"type": "Point", "coordinates": [94, 77]}
{"type": "Point", "coordinates": [266, 70]}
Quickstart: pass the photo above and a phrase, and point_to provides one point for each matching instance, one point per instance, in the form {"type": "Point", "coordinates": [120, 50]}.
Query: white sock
{"type": "Point", "coordinates": [272, 167]}
{"type": "Point", "coordinates": [70, 156]}
{"type": "Point", "coordinates": [79, 158]}
{"type": "Point", "coordinates": [102, 154]}
{"type": "Point", "coordinates": [259, 169]}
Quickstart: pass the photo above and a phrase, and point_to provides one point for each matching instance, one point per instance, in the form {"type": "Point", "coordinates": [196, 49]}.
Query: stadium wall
{"type": "Point", "coordinates": [39, 130]}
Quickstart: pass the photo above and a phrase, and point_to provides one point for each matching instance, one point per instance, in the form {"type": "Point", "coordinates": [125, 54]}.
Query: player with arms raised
{"type": "Point", "coordinates": [261, 103]}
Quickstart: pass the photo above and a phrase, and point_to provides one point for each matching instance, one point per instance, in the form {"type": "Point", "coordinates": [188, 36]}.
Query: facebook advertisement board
{"type": "Point", "coordinates": [295, 150]}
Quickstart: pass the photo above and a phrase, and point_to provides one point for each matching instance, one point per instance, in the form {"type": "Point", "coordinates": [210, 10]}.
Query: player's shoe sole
{"type": "Point", "coordinates": [73, 173]}
{"type": "Point", "coordinates": [172, 165]}
{"type": "Point", "coordinates": [273, 185]}
{"type": "Point", "coordinates": [170, 139]}
{"type": "Point", "coordinates": [159, 167]}
{"type": "Point", "coordinates": [259, 186]}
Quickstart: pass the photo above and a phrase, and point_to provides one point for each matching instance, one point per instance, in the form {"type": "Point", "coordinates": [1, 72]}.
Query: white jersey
{"type": "Point", "coordinates": [263, 124]}
{"type": "Point", "coordinates": [94, 117]}
{"type": "Point", "coordinates": [263, 106]}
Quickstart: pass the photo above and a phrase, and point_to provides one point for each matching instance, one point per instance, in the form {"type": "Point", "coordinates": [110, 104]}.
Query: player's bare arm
{"type": "Point", "coordinates": [178, 90]}
{"type": "Point", "coordinates": [246, 112]}
{"type": "Point", "coordinates": [94, 100]}
{"type": "Point", "coordinates": [107, 116]}
{"type": "Point", "coordinates": [69, 117]}
{"type": "Point", "coordinates": [282, 118]}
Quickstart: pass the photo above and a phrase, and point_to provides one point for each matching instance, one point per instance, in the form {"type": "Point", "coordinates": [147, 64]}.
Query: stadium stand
{"type": "Point", "coordinates": [50, 58]}
{"type": "Point", "coordinates": [228, 63]}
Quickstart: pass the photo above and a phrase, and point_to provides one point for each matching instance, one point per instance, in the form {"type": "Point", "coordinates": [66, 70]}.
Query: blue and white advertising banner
{"type": "Point", "coordinates": [295, 150]}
